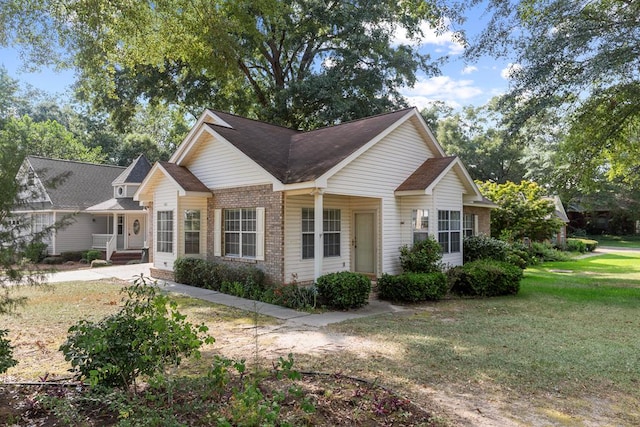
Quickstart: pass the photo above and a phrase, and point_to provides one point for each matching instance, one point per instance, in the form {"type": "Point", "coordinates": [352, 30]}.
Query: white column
{"type": "Point", "coordinates": [318, 249]}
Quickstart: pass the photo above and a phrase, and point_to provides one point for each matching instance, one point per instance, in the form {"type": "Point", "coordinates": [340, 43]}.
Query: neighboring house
{"type": "Point", "coordinates": [301, 204]}
{"type": "Point", "coordinates": [560, 238]}
{"type": "Point", "coordinates": [95, 200]}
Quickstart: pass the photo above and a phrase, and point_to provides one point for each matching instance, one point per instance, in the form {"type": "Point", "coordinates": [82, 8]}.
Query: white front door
{"type": "Point", "coordinates": [135, 231]}
{"type": "Point", "coordinates": [365, 242]}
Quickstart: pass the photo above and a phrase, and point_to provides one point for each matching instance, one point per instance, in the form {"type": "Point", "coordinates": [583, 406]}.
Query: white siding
{"type": "Point", "coordinates": [165, 198]}
{"type": "Point", "coordinates": [303, 269]}
{"type": "Point", "coordinates": [448, 196]}
{"type": "Point", "coordinates": [77, 235]}
{"type": "Point", "coordinates": [377, 173]}
{"type": "Point", "coordinates": [195, 203]}
{"type": "Point", "coordinates": [219, 165]}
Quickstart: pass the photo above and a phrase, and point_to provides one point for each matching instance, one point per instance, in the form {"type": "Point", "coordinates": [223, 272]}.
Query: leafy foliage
{"type": "Point", "coordinates": [344, 289]}
{"type": "Point", "coordinates": [211, 275]}
{"type": "Point", "coordinates": [6, 353]}
{"type": "Point", "coordinates": [413, 287]}
{"type": "Point", "coordinates": [144, 337]}
{"type": "Point", "coordinates": [522, 211]}
{"type": "Point", "coordinates": [297, 63]}
{"type": "Point", "coordinates": [422, 257]}
{"type": "Point", "coordinates": [485, 278]}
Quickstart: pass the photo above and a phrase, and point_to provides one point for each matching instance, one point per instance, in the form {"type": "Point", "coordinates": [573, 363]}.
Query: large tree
{"type": "Point", "coordinates": [299, 63]}
{"type": "Point", "coordinates": [582, 60]}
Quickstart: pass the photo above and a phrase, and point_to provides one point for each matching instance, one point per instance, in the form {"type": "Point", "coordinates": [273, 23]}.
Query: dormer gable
{"type": "Point", "coordinates": [126, 184]}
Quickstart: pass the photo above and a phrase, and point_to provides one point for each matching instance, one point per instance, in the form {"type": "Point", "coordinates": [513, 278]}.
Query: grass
{"type": "Point", "coordinates": [564, 342]}
{"type": "Point", "coordinates": [617, 241]}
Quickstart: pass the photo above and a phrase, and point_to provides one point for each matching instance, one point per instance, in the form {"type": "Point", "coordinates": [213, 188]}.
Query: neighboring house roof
{"type": "Point", "coordinates": [135, 173]}
{"type": "Point", "coordinates": [72, 185]}
{"type": "Point", "coordinates": [293, 156]}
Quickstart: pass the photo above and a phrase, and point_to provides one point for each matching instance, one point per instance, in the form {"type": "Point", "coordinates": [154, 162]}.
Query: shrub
{"type": "Point", "coordinates": [53, 260]}
{"type": "Point", "coordinates": [413, 287]}
{"type": "Point", "coordinates": [145, 336]}
{"type": "Point", "coordinates": [6, 353]}
{"type": "Point", "coordinates": [74, 256]}
{"type": "Point", "coordinates": [483, 247]}
{"type": "Point", "coordinates": [344, 289]}
{"type": "Point", "coordinates": [485, 278]}
{"type": "Point", "coordinates": [292, 295]}
{"type": "Point", "coordinates": [576, 245]}
{"type": "Point", "coordinates": [422, 257]}
{"type": "Point", "coordinates": [546, 252]}
{"type": "Point", "coordinates": [35, 251]}
{"type": "Point", "coordinates": [92, 254]}
{"type": "Point", "coordinates": [211, 275]}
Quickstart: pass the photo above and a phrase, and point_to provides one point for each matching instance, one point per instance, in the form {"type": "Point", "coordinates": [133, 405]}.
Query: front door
{"type": "Point", "coordinates": [365, 242]}
{"type": "Point", "coordinates": [135, 231]}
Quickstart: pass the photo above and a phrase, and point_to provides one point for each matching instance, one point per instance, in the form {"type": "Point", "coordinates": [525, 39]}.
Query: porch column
{"type": "Point", "coordinates": [318, 248]}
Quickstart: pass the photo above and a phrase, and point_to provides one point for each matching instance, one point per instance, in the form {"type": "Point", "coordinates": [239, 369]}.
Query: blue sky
{"type": "Point", "coordinates": [460, 83]}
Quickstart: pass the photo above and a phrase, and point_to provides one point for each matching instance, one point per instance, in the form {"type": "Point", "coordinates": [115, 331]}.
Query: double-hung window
{"type": "Point", "coordinates": [240, 232]}
{"type": "Point", "coordinates": [191, 231]}
{"type": "Point", "coordinates": [164, 232]}
{"type": "Point", "coordinates": [420, 225]}
{"type": "Point", "coordinates": [449, 231]}
{"type": "Point", "coordinates": [331, 230]}
{"type": "Point", "coordinates": [469, 225]}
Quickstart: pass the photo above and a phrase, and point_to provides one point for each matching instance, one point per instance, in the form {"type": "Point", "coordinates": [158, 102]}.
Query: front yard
{"type": "Point", "coordinates": [564, 351]}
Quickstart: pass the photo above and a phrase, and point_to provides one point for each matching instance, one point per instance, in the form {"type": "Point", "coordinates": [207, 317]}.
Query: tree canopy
{"type": "Point", "coordinates": [581, 59]}
{"type": "Point", "coordinates": [299, 63]}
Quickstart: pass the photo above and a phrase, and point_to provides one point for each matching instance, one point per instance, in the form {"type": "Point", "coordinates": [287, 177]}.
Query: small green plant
{"type": "Point", "coordinates": [91, 255]}
{"type": "Point", "coordinates": [6, 352]}
{"type": "Point", "coordinates": [485, 278]}
{"type": "Point", "coordinates": [413, 287]}
{"type": "Point", "coordinates": [422, 257]}
{"type": "Point", "coordinates": [145, 336]}
{"type": "Point", "coordinates": [344, 289]}
{"type": "Point", "coordinates": [294, 296]}
{"type": "Point", "coordinates": [35, 251]}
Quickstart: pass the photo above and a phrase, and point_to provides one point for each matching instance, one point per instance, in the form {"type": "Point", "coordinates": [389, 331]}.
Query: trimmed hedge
{"type": "Point", "coordinates": [581, 245]}
{"type": "Point", "coordinates": [413, 287]}
{"type": "Point", "coordinates": [211, 275]}
{"type": "Point", "coordinates": [485, 278]}
{"type": "Point", "coordinates": [344, 289]}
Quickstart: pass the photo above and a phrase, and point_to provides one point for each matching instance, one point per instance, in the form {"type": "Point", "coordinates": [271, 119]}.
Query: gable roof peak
{"type": "Point", "coordinates": [135, 172]}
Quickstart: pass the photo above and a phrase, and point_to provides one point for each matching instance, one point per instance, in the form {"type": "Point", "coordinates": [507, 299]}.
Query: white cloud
{"type": "Point", "coordinates": [510, 71]}
{"type": "Point", "coordinates": [469, 69]}
{"type": "Point", "coordinates": [442, 88]}
{"type": "Point", "coordinates": [445, 41]}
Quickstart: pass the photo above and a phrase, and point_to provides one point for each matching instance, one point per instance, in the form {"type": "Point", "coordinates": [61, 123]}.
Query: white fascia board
{"type": "Point", "coordinates": [470, 183]}
{"type": "Point", "coordinates": [301, 187]}
{"type": "Point", "coordinates": [207, 116]}
{"type": "Point", "coordinates": [145, 183]}
{"type": "Point", "coordinates": [411, 193]}
{"type": "Point", "coordinates": [425, 128]}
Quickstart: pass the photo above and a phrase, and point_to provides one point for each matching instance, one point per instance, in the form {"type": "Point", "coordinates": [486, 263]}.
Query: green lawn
{"type": "Point", "coordinates": [618, 241]}
{"type": "Point", "coordinates": [570, 338]}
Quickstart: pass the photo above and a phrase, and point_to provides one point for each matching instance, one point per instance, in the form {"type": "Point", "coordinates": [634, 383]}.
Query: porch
{"type": "Point", "coordinates": [124, 233]}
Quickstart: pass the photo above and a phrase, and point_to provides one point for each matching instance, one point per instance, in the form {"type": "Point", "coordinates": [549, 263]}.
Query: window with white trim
{"type": "Point", "coordinates": [469, 225]}
{"type": "Point", "coordinates": [449, 231]}
{"type": "Point", "coordinates": [420, 225]}
{"type": "Point", "coordinates": [331, 230]}
{"type": "Point", "coordinates": [164, 231]}
{"type": "Point", "coordinates": [240, 237]}
{"type": "Point", "coordinates": [191, 231]}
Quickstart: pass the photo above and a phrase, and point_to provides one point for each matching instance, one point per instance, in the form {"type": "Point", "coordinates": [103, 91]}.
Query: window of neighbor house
{"type": "Point", "coordinates": [449, 231]}
{"type": "Point", "coordinates": [331, 230]}
{"type": "Point", "coordinates": [191, 231]}
{"type": "Point", "coordinates": [164, 232]}
{"type": "Point", "coordinates": [420, 224]}
{"type": "Point", "coordinates": [240, 226]}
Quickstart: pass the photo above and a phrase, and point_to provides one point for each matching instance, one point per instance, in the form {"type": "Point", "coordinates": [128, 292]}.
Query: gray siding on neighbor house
{"type": "Point", "coordinates": [77, 235]}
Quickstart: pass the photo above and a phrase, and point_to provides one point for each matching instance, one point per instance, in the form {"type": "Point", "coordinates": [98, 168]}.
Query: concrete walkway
{"type": "Point", "coordinates": [292, 317]}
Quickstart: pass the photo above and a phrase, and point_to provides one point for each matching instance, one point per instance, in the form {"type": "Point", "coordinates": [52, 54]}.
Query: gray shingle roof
{"type": "Point", "coordinates": [135, 173]}
{"type": "Point", "coordinates": [294, 156]}
{"type": "Point", "coordinates": [80, 184]}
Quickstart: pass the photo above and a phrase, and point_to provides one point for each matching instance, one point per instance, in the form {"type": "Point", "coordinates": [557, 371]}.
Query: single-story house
{"type": "Point", "coordinates": [302, 204]}
{"type": "Point", "coordinates": [560, 238]}
{"type": "Point", "coordinates": [95, 200]}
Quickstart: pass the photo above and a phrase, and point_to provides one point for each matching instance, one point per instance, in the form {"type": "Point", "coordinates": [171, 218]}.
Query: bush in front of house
{"type": "Point", "coordinates": [581, 245]}
{"type": "Point", "coordinates": [212, 275]}
{"type": "Point", "coordinates": [485, 278]}
{"type": "Point", "coordinates": [35, 251]}
{"type": "Point", "coordinates": [92, 255]}
{"type": "Point", "coordinates": [486, 247]}
{"type": "Point", "coordinates": [545, 252]}
{"type": "Point", "coordinates": [421, 257]}
{"type": "Point", "coordinates": [53, 260]}
{"type": "Point", "coordinates": [413, 287]}
{"type": "Point", "coordinates": [292, 295]}
{"type": "Point", "coordinates": [344, 289]}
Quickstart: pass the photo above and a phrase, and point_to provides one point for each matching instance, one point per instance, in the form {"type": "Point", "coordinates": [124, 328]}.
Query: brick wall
{"type": "Point", "coordinates": [252, 197]}
{"type": "Point", "coordinates": [484, 218]}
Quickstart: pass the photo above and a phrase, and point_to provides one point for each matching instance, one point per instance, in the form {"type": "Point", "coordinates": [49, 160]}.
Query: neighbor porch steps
{"type": "Point", "coordinates": [121, 258]}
